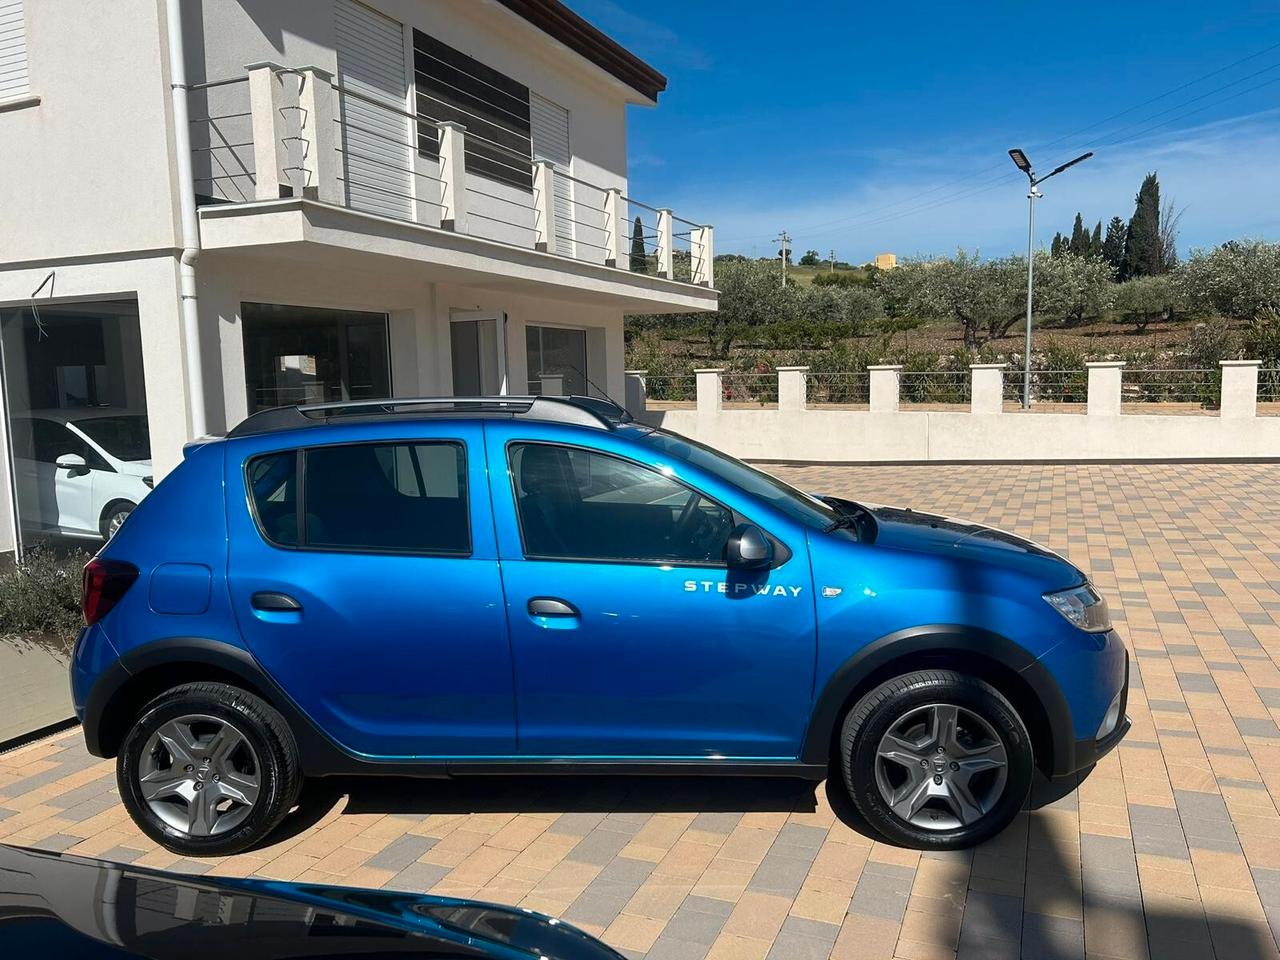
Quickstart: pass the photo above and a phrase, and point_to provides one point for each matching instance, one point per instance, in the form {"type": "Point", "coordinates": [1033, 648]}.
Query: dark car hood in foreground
{"type": "Point", "coordinates": [61, 906]}
{"type": "Point", "coordinates": [902, 528]}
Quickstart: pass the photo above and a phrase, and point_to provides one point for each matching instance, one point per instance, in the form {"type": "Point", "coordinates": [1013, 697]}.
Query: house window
{"type": "Point", "coordinates": [313, 355]}
{"type": "Point", "coordinates": [14, 81]}
{"type": "Point", "coordinates": [557, 352]}
{"type": "Point", "coordinates": [450, 86]}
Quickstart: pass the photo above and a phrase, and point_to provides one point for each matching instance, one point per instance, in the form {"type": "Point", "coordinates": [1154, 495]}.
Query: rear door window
{"type": "Point", "coordinates": [400, 497]}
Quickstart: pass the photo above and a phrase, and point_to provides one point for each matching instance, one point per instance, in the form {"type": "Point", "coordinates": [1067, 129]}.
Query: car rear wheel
{"type": "Point", "coordinates": [208, 770]}
{"type": "Point", "coordinates": [936, 760]}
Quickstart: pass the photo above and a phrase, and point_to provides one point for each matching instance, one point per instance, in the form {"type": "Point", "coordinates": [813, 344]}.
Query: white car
{"type": "Point", "coordinates": [80, 472]}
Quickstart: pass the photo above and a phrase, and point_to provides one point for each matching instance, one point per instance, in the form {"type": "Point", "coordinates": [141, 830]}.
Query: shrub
{"type": "Point", "coordinates": [43, 595]}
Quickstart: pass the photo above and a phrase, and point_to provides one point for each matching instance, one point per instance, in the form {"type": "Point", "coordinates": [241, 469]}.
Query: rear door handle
{"type": "Point", "coordinates": [273, 602]}
{"type": "Point", "coordinates": [551, 607]}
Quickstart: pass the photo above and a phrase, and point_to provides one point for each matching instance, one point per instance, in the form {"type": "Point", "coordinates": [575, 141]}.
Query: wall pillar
{"type": "Point", "coordinates": [791, 388]}
{"type": "Point", "coordinates": [544, 203]}
{"type": "Point", "coordinates": [986, 393]}
{"type": "Point", "coordinates": [634, 396]}
{"type": "Point", "coordinates": [1239, 389]}
{"type": "Point", "coordinates": [1104, 388]}
{"type": "Point", "coordinates": [666, 235]}
{"type": "Point", "coordinates": [453, 171]}
{"type": "Point", "coordinates": [710, 390]}
{"type": "Point", "coordinates": [267, 104]}
{"type": "Point", "coordinates": [883, 387]}
{"type": "Point", "coordinates": [318, 131]}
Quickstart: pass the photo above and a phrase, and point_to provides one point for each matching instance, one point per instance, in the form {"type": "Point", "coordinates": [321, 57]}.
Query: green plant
{"type": "Point", "coordinates": [1237, 279]}
{"type": "Point", "coordinates": [42, 596]}
{"type": "Point", "coordinates": [1144, 299]}
{"type": "Point", "coordinates": [1262, 339]}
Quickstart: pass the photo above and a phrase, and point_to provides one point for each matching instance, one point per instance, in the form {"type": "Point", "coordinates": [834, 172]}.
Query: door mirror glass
{"type": "Point", "coordinates": [73, 462]}
{"type": "Point", "coordinates": [748, 548]}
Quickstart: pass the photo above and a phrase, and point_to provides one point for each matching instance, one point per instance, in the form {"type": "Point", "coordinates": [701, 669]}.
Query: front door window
{"type": "Point", "coordinates": [313, 355]}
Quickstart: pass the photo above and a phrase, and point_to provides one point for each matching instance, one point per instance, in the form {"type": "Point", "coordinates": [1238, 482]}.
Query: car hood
{"type": "Point", "coordinates": [901, 528]}
{"type": "Point", "coordinates": [134, 468]}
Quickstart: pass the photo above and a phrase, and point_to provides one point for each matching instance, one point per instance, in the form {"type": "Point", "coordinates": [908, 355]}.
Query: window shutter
{"type": "Point", "coordinates": [551, 142]}
{"type": "Point", "coordinates": [376, 140]}
{"type": "Point", "coordinates": [13, 51]}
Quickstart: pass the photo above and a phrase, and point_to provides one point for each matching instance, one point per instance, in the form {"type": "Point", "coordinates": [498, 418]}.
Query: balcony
{"type": "Point", "coordinates": [283, 156]}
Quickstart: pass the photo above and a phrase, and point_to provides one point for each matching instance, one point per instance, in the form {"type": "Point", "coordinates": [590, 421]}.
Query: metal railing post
{"type": "Point", "coordinates": [266, 109]}
{"type": "Point", "coordinates": [453, 171]}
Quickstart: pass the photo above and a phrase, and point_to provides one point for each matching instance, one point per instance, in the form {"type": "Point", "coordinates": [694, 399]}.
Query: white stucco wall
{"type": "Point", "coordinates": [87, 170]}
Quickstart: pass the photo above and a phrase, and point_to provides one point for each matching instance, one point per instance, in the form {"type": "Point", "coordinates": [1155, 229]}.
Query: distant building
{"type": "Point", "coordinates": [886, 261]}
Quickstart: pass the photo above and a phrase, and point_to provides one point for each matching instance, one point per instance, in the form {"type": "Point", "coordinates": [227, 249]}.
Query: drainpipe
{"type": "Point", "coordinates": [190, 225]}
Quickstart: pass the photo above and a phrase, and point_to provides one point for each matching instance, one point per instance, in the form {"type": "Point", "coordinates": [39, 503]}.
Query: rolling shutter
{"type": "Point", "coordinates": [375, 138]}
{"type": "Point", "coordinates": [551, 142]}
{"type": "Point", "coordinates": [13, 51]}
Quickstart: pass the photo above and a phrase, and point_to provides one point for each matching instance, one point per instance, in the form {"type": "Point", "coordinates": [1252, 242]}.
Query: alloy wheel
{"type": "Point", "coordinates": [200, 775]}
{"type": "Point", "coordinates": [116, 521]}
{"type": "Point", "coordinates": [941, 767]}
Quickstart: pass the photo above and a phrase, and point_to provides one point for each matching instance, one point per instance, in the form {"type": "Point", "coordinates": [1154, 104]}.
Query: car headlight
{"type": "Point", "coordinates": [1083, 606]}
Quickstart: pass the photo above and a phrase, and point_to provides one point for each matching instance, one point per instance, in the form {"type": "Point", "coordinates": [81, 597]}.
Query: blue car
{"type": "Point", "coordinates": [436, 588]}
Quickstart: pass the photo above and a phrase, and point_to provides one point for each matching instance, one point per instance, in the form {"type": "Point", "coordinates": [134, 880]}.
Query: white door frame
{"type": "Point", "coordinates": [500, 317]}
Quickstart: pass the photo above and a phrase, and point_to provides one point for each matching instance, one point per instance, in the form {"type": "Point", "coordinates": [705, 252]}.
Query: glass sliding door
{"type": "Point", "coordinates": [313, 355]}
{"type": "Point", "coordinates": [557, 351]}
{"type": "Point", "coordinates": [477, 350]}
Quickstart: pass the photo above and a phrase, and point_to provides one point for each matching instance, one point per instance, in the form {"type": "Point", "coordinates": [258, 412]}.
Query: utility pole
{"type": "Point", "coordinates": [833, 260]}
{"type": "Point", "coordinates": [783, 238]}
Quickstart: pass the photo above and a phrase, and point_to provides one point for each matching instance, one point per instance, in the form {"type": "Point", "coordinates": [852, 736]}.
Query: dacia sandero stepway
{"type": "Point", "coordinates": [528, 585]}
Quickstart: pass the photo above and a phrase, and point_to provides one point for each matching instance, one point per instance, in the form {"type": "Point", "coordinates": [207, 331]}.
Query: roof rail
{"type": "Point", "coordinates": [583, 411]}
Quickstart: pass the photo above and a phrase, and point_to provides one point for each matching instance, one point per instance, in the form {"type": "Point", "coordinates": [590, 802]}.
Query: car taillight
{"type": "Point", "coordinates": [105, 582]}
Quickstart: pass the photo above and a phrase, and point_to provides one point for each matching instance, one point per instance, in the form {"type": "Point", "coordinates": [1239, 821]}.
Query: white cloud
{"type": "Point", "coordinates": [1222, 173]}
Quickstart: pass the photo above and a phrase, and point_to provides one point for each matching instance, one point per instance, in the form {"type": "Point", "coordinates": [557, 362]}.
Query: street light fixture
{"type": "Point", "coordinates": [1020, 161]}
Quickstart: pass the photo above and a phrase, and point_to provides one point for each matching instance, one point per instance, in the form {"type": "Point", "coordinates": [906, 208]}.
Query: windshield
{"type": "Point", "coordinates": [782, 496]}
{"type": "Point", "coordinates": [124, 437]}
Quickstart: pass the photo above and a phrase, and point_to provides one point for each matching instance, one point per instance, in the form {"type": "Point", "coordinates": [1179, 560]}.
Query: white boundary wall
{"type": "Point", "coordinates": [794, 432]}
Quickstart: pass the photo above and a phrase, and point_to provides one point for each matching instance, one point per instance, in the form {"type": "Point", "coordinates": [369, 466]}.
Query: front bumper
{"type": "Point", "coordinates": [1090, 750]}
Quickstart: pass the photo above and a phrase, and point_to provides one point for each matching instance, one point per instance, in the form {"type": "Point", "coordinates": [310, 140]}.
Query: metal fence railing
{"type": "Point", "coordinates": [1049, 386]}
{"type": "Point", "coordinates": [678, 388]}
{"type": "Point", "coordinates": [1200, 386]}
{"type": "Point", "coordinates": [1269, 390]}
{"type": "Point", "coordinates": [851, 389]}
{"type": "Point", "coordinates": [753, 388]}
{"type": "Point", "coordinates": [934, 386]}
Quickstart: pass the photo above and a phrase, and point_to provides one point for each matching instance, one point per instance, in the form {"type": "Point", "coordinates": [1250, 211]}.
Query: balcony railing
{"type": "Point", "coordinates": [283, 132]}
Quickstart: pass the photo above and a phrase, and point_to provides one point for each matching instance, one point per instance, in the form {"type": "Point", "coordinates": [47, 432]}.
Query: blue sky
{"type": "Point", "coordinates": [877, 127]}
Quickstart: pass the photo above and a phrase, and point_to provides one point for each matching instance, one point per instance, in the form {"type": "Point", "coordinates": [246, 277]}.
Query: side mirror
{"type": "Point", "coordinates": [73, 462]}
{"type": "Point", "coordinates": [748, 548]}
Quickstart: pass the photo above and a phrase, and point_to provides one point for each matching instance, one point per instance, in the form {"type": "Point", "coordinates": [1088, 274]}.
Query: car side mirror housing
{"type": "Point", "coordinates": [748, 548]}
{"type": "Point", "coordinates": [73, 462]}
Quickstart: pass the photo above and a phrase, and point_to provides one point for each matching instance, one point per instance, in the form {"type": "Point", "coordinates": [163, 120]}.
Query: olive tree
{"type": "Point", "coordinates": [1144, 299]}
{"type": "Point", "coordinates": [1238, 279]}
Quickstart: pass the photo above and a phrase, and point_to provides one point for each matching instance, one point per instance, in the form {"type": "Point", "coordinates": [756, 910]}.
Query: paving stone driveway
{"type": "Point", "coordinates": [1170, 850]}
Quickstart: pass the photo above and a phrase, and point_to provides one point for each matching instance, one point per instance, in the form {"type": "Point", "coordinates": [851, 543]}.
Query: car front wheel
{"type": "Point", "coordinates": [208, 769]}
{"type": "Point", "coordinates": [114, 516]}
{"type": "Point", "coordinates": [936, 760]}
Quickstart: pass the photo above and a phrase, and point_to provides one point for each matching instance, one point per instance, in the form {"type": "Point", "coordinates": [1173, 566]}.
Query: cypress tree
{"type": "Point", "coordinates": [1113, 246]}
{"type": "Point", "coordinates": [1055, 249]}
{"type": "Point", "coordinates": [1079, 237]}
{"type": "Point", "coordinates": [639, 262]}
{"type": "Point", "coordinates": [1095, 243]}
{"type": "Point", "coordinates": [1143, 255]}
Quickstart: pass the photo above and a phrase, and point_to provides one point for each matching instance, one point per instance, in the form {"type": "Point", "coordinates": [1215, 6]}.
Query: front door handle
{"type": "Point", "coordinates": [551, 607]}
{"type": "Point", "coordinates": [273, 602]}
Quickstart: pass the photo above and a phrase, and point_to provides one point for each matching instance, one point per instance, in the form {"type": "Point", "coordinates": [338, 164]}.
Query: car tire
{"type": "Point", "coordinates": [936, 760]}
{"type": "Point", "coordinates": [208, 770]}
{"type": "Point", "coordinates": [113, 516]}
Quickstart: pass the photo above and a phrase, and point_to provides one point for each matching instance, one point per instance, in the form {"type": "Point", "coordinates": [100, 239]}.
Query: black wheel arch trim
{"type": "Point", "coordinates": [941, 639]}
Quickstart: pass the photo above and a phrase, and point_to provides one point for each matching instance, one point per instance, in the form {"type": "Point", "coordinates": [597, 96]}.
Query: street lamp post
{"type": "Point", "coordinates": [1022, 163]}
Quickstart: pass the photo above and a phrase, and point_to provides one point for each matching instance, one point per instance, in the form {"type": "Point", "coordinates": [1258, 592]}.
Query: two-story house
{"type": "Point", "coordinates": [208, 207]}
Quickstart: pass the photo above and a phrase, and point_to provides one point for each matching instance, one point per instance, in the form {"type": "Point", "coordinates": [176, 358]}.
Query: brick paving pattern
{"type": "Point", "coordinates": [1171, 849]}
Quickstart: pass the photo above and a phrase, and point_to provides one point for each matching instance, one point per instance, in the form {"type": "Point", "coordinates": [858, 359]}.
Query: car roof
{"type": "Point", "coordinates": [78, 413]}
{"type": "Point", "coordinates": [580, 411]}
